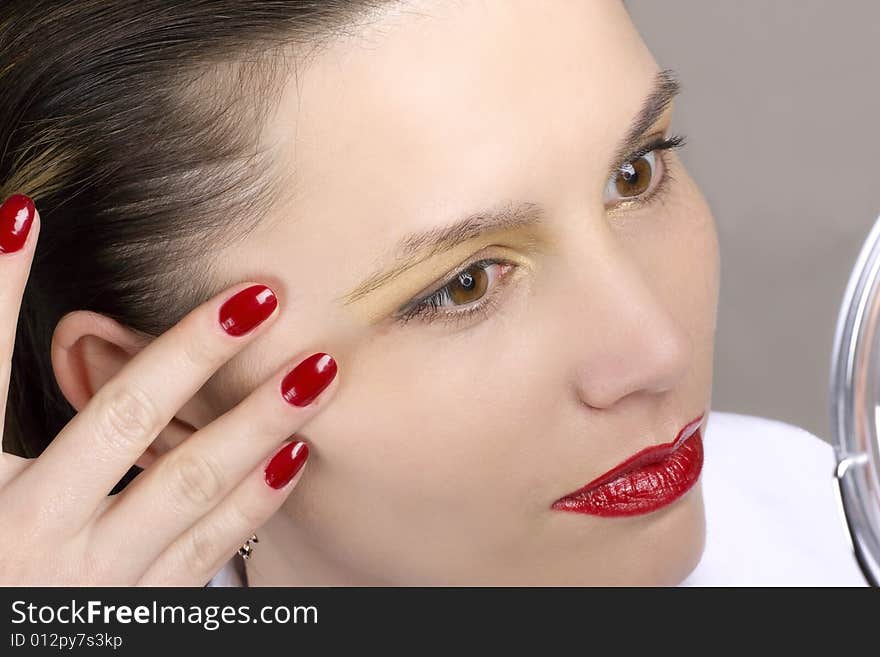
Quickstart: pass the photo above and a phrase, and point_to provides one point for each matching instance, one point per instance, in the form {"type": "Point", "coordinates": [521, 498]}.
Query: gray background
{"type": "Point", "coordinates": [780, 103]}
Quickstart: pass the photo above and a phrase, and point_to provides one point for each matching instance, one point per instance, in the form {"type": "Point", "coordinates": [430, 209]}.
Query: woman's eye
{"type": "Point", "coordinates": [644, 176]}
{"type": "Point", "coordinates": [467, 288]}
{"type": "Point", "coordinates": [635, 179]}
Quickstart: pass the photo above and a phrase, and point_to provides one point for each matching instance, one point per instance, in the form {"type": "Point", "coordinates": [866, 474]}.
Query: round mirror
{"type": "Point", "coordinates": [855, 406]}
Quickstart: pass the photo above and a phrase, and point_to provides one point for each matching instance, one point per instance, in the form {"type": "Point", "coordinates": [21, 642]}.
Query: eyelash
{"type": "Point", "coordinates": [429, 307]}
{"type": "Point", "coordinates": [663, 145]}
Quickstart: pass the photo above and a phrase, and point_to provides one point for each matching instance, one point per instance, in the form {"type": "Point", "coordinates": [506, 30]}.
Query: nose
{"type": "Point", "coordinates": [629, 328]}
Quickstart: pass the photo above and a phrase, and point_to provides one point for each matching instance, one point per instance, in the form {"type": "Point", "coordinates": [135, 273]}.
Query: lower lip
{"type": "Point", "coordinates": [650, 480]}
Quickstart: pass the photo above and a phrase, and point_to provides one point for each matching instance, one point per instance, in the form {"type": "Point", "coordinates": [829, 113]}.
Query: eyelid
{"type": "Point", "coordinates": [445, 280]}
{"type": "Point", "coordinates": [662, 145]}
{"type": "Point", "coordinates": [518, 254]}
{"type": "Point", "coordinates": [650, 142]}
{"type": "Point", "coordinates": [429, 313]}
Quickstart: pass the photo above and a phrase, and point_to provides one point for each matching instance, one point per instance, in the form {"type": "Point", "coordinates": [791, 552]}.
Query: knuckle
{"type": "Point", "coordinates": [202, 351]}
{"type": "Point", "coordinates": [197, 480]}
{"type": "Point", "coordinates": [245, 517]}
{"type": "Point", "coordinates": [127, 417]}
{"type": "Point", "coordinates": [200, 552]}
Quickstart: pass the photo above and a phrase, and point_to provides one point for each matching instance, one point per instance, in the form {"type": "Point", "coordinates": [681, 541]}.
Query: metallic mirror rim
{"type": "Point", "coordinates": [855, 429]}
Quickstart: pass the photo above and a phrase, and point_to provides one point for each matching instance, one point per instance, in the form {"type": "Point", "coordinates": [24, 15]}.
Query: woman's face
{"type": "Point", "coordinates": [581, 332]}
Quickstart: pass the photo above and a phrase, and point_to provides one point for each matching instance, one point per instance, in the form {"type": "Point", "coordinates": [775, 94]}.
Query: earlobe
{"type": "Point", "coordinates": [87, 350]}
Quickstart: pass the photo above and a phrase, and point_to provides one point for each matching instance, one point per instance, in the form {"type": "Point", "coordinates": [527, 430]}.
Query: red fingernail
{"type": "Point", "coordinates": [16, 217]}
{"type": "Point", "coordinates": [243, 311]}
{"type": "Point", "coordinates": [308, 379]}
{"type": "Point", "coordinates": [286, 463]}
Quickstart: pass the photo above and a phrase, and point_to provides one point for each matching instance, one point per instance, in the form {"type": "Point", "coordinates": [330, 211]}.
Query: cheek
{"type": "Point", "coordinates": [435, 434]}
{"type": "Point", "coordinates": [441, 413]}
{"type": "Point", "coordinates": [701, 265]}
{"type": "Point", "coordinates": [677, 245]}
{"type": "Point", "coordinates": [687, 268]}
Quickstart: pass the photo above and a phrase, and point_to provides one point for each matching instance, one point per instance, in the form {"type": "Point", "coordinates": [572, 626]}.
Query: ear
{"type": "Point", "coordinates": [88, 349]}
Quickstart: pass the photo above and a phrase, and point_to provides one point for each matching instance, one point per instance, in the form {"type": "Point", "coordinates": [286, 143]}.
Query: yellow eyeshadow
{"type": "Point", "coordinates": [383, 301]}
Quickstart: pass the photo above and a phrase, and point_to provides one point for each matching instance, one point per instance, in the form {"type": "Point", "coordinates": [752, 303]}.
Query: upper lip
{"type": "Point", "coordinates": [648, 455]}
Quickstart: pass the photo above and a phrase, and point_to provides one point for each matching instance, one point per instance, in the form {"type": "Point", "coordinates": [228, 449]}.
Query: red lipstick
{"type": "Point", "coordinates": [645, 482]}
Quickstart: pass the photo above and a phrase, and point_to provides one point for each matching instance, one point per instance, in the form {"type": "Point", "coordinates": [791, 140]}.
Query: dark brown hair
{"type": "Point", "coordinates": [135, 127]}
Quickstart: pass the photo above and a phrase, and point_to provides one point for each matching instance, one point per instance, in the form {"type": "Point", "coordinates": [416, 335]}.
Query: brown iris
{"type": "Point", "coordinates": [470, 285]}
{"type": "Point", "coordinates": [633, 178]}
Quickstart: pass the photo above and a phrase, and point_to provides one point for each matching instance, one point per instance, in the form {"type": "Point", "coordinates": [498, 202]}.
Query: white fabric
{"type": "Point", "coordinates": [771, 514]}
{"type": "Point", "coordinates": [226, 576]}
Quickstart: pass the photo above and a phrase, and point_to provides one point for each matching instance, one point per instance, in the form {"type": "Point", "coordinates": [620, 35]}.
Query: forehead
{"type": "Point", "coordinates": [436, 109]}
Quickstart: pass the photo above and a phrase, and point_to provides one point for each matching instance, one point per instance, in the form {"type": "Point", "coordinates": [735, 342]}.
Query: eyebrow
{"type": "Point", "coordinates": [418, 247]}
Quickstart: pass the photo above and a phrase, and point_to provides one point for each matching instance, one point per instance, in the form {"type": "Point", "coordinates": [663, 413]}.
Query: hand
{"type": "Point", "coordinates": [184, 516]}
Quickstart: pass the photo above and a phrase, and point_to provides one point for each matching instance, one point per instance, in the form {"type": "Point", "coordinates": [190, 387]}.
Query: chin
{"type": "Point", "coordinates": [674, 542]}
{"type": "Point", "coordinates": [660, 548]}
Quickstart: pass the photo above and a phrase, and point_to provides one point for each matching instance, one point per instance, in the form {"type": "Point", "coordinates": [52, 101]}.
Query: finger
{"type": "Point", "coordinates": [11, 465]}
{"type": "Point", "coordinates": [19, 231]}
{"type": "Point", "coordinates": [187, 482]}
{"type": "Point", "coordinates": [199, 553]}
{"type": "Point", "coordinates": [108, 435]}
